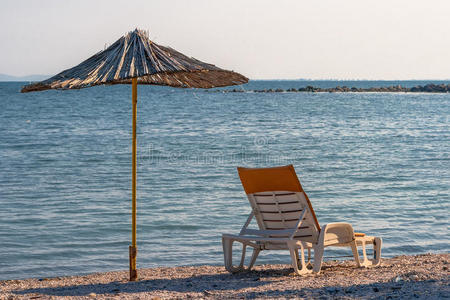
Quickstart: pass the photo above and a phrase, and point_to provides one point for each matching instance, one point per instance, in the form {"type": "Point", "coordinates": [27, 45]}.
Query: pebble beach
{"type": "Point", "coordinates": [424, 276]}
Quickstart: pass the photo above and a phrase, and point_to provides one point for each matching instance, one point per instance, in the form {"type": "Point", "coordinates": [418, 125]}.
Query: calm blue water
{"type": "Point", "coordinates": [379, 161]}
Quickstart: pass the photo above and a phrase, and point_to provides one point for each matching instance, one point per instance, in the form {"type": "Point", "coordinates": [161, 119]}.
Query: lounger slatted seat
{"type": "Point", "coordinates": [286, 221]}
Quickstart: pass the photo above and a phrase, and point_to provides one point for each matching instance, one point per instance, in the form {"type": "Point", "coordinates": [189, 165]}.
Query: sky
{"type": "Point", "coordinates": [278, 39]}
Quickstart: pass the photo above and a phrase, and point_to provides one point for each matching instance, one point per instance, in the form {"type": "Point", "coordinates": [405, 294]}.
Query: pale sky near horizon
{"type": "Point", "coordinates": [278, 39]}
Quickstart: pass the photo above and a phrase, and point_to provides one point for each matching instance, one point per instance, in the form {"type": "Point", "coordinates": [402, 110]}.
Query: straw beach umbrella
{"type": "Point", "coordinates": [134, 59]}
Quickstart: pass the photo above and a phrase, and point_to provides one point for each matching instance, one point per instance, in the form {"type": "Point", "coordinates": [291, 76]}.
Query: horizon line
{"type": "Point", "coordinates": [256, 79]}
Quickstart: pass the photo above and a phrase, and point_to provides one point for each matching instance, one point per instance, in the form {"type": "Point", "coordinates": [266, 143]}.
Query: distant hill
{"type": "Point", "coordinates": [37, 77]}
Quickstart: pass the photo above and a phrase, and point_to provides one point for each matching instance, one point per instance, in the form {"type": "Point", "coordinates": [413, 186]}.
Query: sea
{"type": "Point", "coordinates": [379, 161]}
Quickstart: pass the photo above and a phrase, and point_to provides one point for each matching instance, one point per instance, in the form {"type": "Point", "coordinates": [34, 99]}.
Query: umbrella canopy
{"type": "Point", "coordinates": [131, 59]}
{"type": "Point", "coordinates": [136, 56]}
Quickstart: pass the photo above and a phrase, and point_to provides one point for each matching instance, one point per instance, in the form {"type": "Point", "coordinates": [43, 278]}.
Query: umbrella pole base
{"type": "Point", "coordinates": [133, 271]}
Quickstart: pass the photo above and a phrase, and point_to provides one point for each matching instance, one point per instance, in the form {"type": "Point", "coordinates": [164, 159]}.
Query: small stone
{"type": "Point", "coordinates": [397, 279]}
{"type": "Point", "coordinates": [92, 295]}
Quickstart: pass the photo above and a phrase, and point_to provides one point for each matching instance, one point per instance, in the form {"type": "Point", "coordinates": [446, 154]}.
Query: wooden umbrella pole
{"type": "Point", "coordinates": [133, 247]}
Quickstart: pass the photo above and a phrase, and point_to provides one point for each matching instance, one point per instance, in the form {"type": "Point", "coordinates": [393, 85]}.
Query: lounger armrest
{"type": "Point", "coordinates": [336, 234]}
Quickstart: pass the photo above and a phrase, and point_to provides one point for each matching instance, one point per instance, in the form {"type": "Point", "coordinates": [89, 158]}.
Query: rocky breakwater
{"type": "Point", "coordinates": [429, 88]}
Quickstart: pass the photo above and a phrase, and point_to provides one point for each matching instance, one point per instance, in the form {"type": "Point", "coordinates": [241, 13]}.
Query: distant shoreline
{"type": "Point", "coordinates": [428, 88]}
{"type": "Point", "coordinates": [423, 276]}
{"type": "Point", "coordinates": [395, 87]}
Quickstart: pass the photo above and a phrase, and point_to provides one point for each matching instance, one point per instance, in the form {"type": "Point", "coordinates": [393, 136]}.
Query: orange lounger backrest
{"type": "Point", "coordinates": [284, 178]}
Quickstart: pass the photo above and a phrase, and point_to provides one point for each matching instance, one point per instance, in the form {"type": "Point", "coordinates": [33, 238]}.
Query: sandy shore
{"type": "Point", "coordinates": [422, 276]}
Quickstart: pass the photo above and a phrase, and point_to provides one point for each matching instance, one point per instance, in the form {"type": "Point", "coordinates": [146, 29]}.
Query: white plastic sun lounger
{"type": "Point", "coordinates": [287, 221]}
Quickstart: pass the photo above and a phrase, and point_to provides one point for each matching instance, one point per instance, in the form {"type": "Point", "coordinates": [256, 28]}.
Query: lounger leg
{"type": "Point", "coordinates": [377, 251]}
{"type": "Point", "coordinates": [302, 259]}
{"type": "Point", "coordinates": [227, 244]}
{"type": "Point", "coordinates": [294, 257]}
{"type": "Point", "coordinates": [254, 256]}
{"type": "Point", "coordinates": [297, 255]}
{"type": "Point", "coordinates": [309, 264]}
{"type": "Point", "coordinates": [355, 253]}
{"type": "Point", "coordinates": [293, 249]}
{"type": "Point", "coordinates": [244, 249]}
{"type": "Point", "coordinates": [365, 262]}
{"type": "Point", "coordinates": [377, 242]}
{"type": "Point", "coordinates": [318, 256]}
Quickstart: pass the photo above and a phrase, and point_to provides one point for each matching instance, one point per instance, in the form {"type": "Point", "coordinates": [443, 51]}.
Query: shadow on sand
{"type": "Point", "coordinates": [215, 286]}
{"type": "Point", "coordinates": [201, 283]}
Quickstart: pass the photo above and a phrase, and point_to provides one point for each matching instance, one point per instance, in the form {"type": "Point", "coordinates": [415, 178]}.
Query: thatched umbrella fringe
{"type": "Point", "coordinates": [134, 55]}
